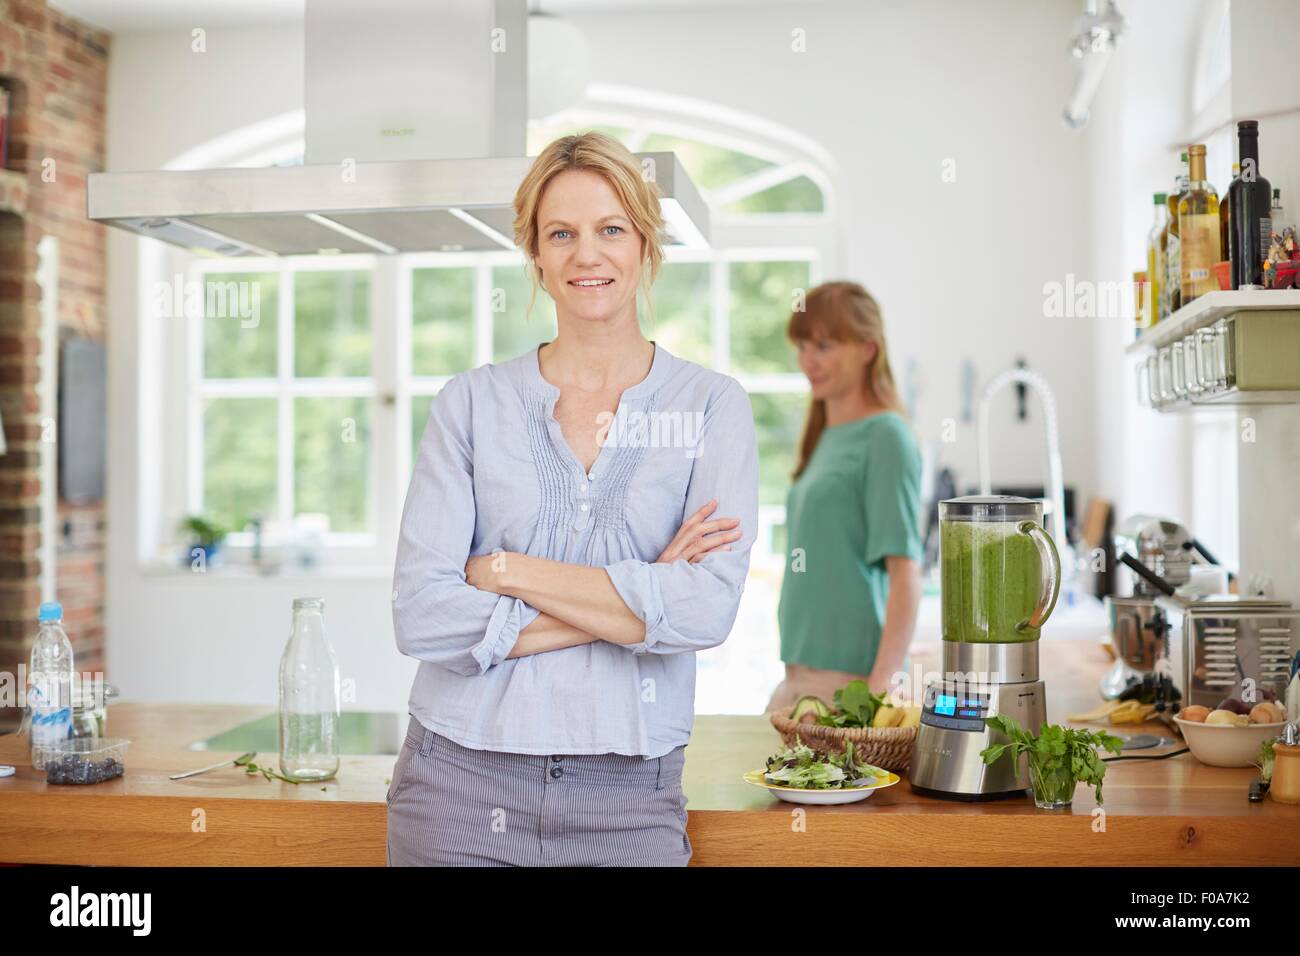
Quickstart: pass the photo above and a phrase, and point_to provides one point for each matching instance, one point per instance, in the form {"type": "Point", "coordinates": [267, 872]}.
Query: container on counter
{"type": "Point", "coordinates": [310, 699]}
{"type": "Point", "coordinates": [84, 760]}
{"type": "Point", "coordinates": [50, 680]}
{"type": "Point", "coordinates": [1285, 785]}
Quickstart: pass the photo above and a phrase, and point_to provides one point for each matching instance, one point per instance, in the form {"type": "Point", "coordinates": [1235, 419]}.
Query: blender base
{"type": "Point", "coordinates": [979, 681]}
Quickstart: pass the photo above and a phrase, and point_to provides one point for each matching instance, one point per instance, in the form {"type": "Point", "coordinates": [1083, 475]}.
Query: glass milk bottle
{"type": "Point", "coordinates": [309, 697]}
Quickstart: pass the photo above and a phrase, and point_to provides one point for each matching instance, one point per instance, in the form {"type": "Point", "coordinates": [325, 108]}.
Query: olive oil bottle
{"type": "Point", "coordinates": [1198, 229]}
{"type": "Point", "coordinates": [1149, 314]}
{"type": "Point", "coordinates": [1173, 261]}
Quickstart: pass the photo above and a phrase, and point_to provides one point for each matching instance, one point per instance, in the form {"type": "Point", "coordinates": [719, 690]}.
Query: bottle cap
{"type": "Point", "coordinates": [1161, 199]}
{"type": "Point", "coordinates": [51, 611]}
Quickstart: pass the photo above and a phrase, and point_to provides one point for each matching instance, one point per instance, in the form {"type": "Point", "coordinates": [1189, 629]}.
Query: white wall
{"type": "Point", "coordinates": [1141, 115]}
{"type": "Point", "coordinates": [1265, 38]}
{"type": "Point", "coordinates": [1144, 116]}
{"type": "Point", "coordinates": [891, 90]}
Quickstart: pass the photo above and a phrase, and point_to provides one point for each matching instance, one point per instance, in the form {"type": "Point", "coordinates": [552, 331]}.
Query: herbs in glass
{"type": "Point", "coordinates": [1060, 758]}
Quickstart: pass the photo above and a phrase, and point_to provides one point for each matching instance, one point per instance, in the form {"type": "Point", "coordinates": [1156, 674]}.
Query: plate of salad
{"type": "Point", "coordinates": [800, 774]}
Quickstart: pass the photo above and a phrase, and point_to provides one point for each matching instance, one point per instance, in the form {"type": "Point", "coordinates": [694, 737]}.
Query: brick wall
{"type": "Point", "coordinates": [56, 69]}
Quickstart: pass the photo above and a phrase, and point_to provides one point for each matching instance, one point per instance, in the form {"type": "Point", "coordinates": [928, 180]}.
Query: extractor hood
{"type": "Point", "coordinates": [416, 121]}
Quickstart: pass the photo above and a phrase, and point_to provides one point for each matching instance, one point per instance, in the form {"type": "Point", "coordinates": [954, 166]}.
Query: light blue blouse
{"type": "Point", "coordinates": [494, 472]}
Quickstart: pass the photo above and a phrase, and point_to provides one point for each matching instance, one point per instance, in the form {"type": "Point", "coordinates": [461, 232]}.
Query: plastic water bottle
{"type": "Point", "coordinates": [49, 694]}
{"type": "Point", "coordinates": [309, 697]}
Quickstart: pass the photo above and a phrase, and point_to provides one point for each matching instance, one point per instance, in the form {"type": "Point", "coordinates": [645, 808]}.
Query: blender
{"type": "Point", "coordinates": [999, 576]}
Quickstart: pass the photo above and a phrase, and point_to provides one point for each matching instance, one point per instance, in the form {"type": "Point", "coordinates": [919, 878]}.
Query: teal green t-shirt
{"type": "Point", "coordinates": [857, 502]}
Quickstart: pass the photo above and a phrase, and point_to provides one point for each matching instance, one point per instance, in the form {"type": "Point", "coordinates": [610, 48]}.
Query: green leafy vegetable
{"type": "Point", "coordinates": [803, 768]}
{"type": "Point", "coordinates": [1267, 754]}
{"type": "Point", "coordinates": [249, 767]}
{"type": "Point", "coordinates": [1059, 757]}
{"type": "Point", "coordinates": [856, 705]}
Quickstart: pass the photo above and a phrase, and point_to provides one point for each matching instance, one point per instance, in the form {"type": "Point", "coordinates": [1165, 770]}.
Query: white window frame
{"type": "Point", "coordinates": [392, 386]}
{"type": "Point", "coordinates": [362, 548]}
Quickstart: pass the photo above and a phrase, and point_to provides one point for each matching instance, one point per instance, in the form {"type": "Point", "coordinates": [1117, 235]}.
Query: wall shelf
{"type": "Point", "coordinates": [1208, 309]}
{"type": "Point", "coordinates": [1242, 348]}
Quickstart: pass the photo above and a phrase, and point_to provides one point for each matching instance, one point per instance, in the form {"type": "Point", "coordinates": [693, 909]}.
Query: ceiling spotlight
{"type": "Point", "coordinates": [1096, 34]}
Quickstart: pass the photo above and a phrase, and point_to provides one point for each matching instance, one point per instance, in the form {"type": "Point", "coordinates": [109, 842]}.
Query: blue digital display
{"type": "Point", "coordinates": [945, 704]}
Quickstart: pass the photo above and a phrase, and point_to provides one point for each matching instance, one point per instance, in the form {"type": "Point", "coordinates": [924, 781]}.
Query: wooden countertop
{"type": "Point", "coordinates": [1163, 812]}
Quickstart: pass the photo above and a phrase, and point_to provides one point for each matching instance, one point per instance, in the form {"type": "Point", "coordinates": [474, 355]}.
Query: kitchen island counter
{"type": "Point", "coordinates": [1157, 812]}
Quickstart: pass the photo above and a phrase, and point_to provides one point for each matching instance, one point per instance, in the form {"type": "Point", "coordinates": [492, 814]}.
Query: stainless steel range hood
{"type": "Point", "coordinates": [416, 121]}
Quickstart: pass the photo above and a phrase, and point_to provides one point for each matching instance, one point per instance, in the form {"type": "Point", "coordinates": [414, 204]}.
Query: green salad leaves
{"type": "Point", "coordinates": [803, 768]}
{"type": "Point", "coordinates": [856, 704]}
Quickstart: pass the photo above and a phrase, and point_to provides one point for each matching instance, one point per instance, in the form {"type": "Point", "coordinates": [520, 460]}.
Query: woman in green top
{"type": "Point", "coordinates": [852, 579]}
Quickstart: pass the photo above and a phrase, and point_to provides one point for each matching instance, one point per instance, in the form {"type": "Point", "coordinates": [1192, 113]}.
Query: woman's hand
{"type": "Point", "coordinates": [487, 571]}
{"type": "Point", "coordinates": [697, 537]}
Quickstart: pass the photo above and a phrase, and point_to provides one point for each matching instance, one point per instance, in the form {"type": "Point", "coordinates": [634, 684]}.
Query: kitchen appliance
{"type": "Point", "coordinates": [414, 121]}
{"type": "Point", "coordinates": [1229, 646]}
{"type": "Point", "coordinates": [1000, 577]}
{"type": "Point", "coordinates": [1160, 553]}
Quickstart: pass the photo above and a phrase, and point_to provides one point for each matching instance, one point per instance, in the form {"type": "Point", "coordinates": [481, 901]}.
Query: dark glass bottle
{"type": "Point", "coordinates": [1252, 201]}
{"type": "Point", "coordinates": [1225, 222]}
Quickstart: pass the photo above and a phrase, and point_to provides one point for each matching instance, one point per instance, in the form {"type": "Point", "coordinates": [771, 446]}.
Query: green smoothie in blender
{"type": "Point", "coordinates": [994, 588]}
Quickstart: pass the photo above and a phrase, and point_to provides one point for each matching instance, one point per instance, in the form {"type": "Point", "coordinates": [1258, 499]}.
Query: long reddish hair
{"type": "Point", "coordinates": [846, 312]}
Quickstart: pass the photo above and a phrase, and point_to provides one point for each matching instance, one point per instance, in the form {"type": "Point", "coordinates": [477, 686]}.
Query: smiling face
{"type": "Point", "coordinates": [588, 251]}
{"type": "Point", "coordinates": [834, 368]}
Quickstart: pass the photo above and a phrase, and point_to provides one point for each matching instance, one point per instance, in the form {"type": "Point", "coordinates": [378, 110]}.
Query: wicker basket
{"type": "Point", "coordinates": [889, 748]}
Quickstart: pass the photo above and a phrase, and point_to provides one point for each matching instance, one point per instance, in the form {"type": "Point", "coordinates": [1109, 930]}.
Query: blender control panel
{"type": "Point", "coordinates": [954, 707]}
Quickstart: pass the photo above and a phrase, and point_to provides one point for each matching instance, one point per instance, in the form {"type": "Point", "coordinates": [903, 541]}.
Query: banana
{"type": "Point", "coordinates": [887, 717]}
{"type": "Point", "coordinates": [1104, 710]}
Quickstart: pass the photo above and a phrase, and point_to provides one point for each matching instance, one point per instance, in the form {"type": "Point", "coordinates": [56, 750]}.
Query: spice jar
{"type": "Point", "coordinates": [1285, 785]}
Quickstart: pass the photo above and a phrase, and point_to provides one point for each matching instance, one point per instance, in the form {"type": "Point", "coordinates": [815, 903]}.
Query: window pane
{"type": "Point", "coordinates": [239, 323]}
{"type": "Point", "coordinates": [682, 309]}
{"type": "Point", "coordinates": [419, 418]}
{"type": "Point", "coordinates": [331, 460]}
{"type": "Point", "coordinates": [442, 321]}
{"type": "Point", "coordinates": [239, 464]}
{"type": "Point", "coordinates": [778, 426]}
{"type": "Point", "coordinates": [762, 298]}
{"type": "Point", "coordinates": [331, 323]}
{"type": "Point", "coordinates": [708, 166]}
{"type": "Point", "coordinates": [512, 333]}
{"type": "Point", "coordinates": [800, 194]}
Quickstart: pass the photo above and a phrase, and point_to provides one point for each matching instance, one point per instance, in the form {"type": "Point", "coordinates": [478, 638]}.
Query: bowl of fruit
{"type": "Point", "coordinates": [882, 731]}
{"type": "Point", "coordinates": [1232, 733]}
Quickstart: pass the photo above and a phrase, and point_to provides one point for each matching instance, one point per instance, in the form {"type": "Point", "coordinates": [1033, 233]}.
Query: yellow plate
{"type": "Point", "coordinates": [819, 797]}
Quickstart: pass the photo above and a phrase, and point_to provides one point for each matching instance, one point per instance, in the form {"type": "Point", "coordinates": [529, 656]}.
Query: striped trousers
{"type": "Point", "coordinates": [450, 805]}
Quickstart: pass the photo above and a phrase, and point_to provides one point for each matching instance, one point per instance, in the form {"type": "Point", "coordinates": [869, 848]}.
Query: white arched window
{"type": "Point", "coordinates": [308, 421]}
